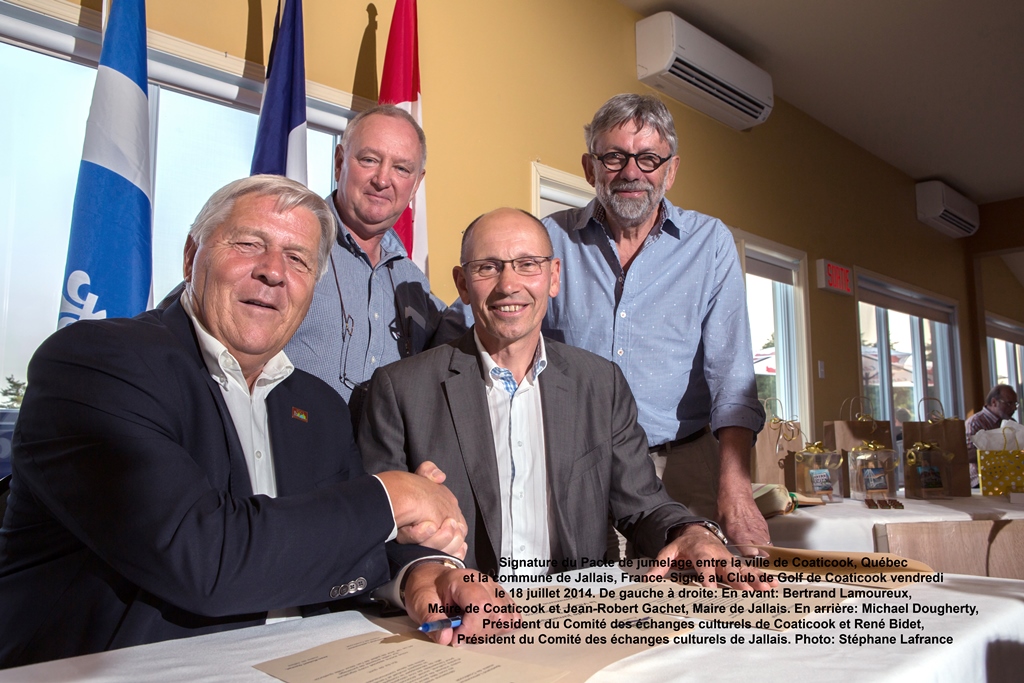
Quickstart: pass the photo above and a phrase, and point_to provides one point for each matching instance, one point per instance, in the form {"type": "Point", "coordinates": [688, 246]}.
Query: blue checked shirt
{"type": "Point", "coordinates": [675, 323]}
{"type": "Point", "coordinates": [389, 313]}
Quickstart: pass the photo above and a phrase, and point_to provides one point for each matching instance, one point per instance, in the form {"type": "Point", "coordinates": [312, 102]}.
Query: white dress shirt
{"type": "Point", "coordinates": [517, 425]}
{"type": "Point", "coordinates": [248, 409]}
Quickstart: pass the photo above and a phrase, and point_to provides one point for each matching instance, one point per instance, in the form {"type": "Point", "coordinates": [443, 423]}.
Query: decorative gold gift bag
{"type": "Point", "coordinates": [1001, 471]}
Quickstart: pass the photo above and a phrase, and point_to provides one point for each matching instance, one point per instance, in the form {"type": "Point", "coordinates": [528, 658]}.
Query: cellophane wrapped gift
{"type": "Point", "coordinates": [817, 472]}
{"type": "Point", "coordinates": [872, 471]}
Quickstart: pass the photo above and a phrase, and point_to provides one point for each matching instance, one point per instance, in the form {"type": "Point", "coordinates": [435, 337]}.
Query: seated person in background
{"type": "Point", "coordinates": [538, 440]}
{"type": "Point", "coordinates": [173, 475]}
{"type": "Point", "coordinates": [1000, 404]}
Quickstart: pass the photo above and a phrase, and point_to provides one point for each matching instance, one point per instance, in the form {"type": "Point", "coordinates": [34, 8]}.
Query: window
{"type": "Point", "coordinates": [203, 127]}
{"type": "Point", "coordinates": [555, 190]}
{"type": "Point", "coordinates": [776, 306]}
{"type": "Point", "coordinates": [1006, 355]}
{"type": "Point", "coordinates": [909, 351]}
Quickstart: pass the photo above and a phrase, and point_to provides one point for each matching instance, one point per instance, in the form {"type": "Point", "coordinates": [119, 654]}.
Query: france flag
{"type": "Point", "coordinates": [281, 133]}
{"type": "Point", "coordinates": [110, 256]}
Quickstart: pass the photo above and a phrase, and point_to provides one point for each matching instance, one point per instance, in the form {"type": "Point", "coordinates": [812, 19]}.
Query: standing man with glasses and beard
{"type": "Point", "coordinates": [659, 291]}
{"type": "Point", "coordinates": [374, 306]}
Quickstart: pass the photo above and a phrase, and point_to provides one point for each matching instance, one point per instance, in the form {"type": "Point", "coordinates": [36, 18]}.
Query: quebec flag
{"type": "Point", "coordinates": [281, 133]}
{"type": "Point", "coordinates": [110, 256]}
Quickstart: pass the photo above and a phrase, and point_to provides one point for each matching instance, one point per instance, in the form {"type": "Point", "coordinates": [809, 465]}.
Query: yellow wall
{"type": "Point", "coordinates": [1003, 292]}
{"type": "Point", "coordinates": [507, 83]}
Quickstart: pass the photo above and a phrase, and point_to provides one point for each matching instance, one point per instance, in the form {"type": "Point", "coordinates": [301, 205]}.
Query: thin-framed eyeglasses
{"type": "Point", "coordinates": [648, 162]}
{"type": "Point", "coordinates": [487, 268]}
{"type": "Point", "coordinates": [1012, 404]}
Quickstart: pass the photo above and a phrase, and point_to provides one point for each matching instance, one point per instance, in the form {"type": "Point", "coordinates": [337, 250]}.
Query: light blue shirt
{"type": "Point", "coordinates": [389, 313]}
{"type": "Point", "coordinates": [675, 323]}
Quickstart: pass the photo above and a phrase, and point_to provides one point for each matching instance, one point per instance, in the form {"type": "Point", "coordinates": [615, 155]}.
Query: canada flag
{"type": "Point", "coordinates": [400, 85]}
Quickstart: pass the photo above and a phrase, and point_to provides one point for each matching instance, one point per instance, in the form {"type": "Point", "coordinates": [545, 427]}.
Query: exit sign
{"type": "Point", "coordinates": [834, 277]}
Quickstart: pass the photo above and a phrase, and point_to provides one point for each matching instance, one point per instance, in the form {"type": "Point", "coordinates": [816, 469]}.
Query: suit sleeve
{"type": "Point", "coordinates": [101, 446]}
{"type": "Point", "coordinates": [381, 435]}
{"type": "Point", "coordinates": [641, 508]}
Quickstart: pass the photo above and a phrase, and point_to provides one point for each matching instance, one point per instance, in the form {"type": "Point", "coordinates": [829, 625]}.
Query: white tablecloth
{"type": "Point", "coordinates": [850, 525]}
{"type": "Point", "coordinates": [986, 648]}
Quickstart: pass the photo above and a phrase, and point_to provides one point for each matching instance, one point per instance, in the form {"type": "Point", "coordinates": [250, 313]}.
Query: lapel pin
{"type": "Point", "coordinates": [299, 414]}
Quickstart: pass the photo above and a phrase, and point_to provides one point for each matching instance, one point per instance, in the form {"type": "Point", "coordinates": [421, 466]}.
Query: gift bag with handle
{"type": "Point", "coordinates": [854, 429]}
{"type": "Point", "coordinates": [949, 436]}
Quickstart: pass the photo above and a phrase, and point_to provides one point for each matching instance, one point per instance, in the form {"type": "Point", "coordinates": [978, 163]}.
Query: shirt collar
{"type": "Point", "coordinates": [221, 364]}
{"type": "Point", "coordinates": [540, 361]}
{"type": "Point", "coordinates": [595, 214]}
{"type": "Point", "coordinates": [391, 246]}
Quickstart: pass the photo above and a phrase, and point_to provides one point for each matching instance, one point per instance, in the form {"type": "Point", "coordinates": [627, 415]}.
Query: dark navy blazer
{"type": "Point", "coordinates": [131, 518]}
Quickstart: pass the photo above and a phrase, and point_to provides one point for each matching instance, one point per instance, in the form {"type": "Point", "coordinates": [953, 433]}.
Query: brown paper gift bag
{"type": "Point", "coordinates": [845, 435]}
{"type": "Point", "coordinates": [950, 435]}
{"type": "Point", "coordinates": [775, 440]}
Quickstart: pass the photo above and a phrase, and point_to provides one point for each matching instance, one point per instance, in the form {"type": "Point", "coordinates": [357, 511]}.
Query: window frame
{"type": "Point", "coordinates": [769, 259]}
{"type": "Point", "coordinates": [67, 31]}
{"type": "Point", "coordinates": [71, 33]}
{"type": "Point", "coordinates": [1011, 333]}
{"type": "Point", "coordinates": [547, 182]}
{"type": "Point", "coordinates": [885, 294]}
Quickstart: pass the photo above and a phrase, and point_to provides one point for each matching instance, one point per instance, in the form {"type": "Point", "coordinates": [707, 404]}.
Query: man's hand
{"type": "Point", "coordinates": [450, 538]}
{"type": "Point", "coordinates": [741, 521]}
{"type": "Point", "coordinates": [697, 543]}
{"type": "Point", "coordinates": [425, 511]}
{"type": "Point", "coordinates": [432, 583]}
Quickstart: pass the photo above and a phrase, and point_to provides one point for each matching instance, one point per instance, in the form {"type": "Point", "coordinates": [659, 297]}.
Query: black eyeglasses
{"type": "Point", "coordinates": [645, 161]}
{"type": "Point", "coordinates": [485, 269]}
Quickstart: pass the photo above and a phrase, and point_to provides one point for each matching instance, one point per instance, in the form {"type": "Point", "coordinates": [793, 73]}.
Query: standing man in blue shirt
{"type": "Point", "coordinates": [374, 306]}
{"type": "Point", "coordinates": [658, 290]}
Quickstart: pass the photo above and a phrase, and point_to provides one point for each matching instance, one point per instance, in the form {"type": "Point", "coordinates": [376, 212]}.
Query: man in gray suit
{"type": "Point", "coordinates": [539, 441]}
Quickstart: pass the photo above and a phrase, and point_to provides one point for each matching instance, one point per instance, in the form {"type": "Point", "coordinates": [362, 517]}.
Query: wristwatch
{"type": "Point", "coordinates": [392, 593]}
{"type": "Point", "coordinates": [713, 528]}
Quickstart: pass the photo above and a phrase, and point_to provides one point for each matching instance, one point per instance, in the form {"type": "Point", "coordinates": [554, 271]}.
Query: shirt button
{"type": "Point", "coordinates": [519, 443]}
{"type": "Point", "coordinates": [522, 548]}
{"type": "Point", "coordinates": [620, 352]}
{"type": "Point", "coordinates": [259, 455]}
{"type": "Point", "coordinates": [376, 316]}
{"type": "Point", "coordinates": [373, 359]}
{"type": "Point", "coordinates": [622, 314]}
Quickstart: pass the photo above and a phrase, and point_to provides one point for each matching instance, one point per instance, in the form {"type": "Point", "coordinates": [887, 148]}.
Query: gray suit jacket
{"type": "Point", "coordinates": [433, 407]}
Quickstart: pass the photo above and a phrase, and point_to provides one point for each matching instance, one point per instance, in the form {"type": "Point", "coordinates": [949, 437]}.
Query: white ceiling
{"type": "Point", "coordinates": [933, 87]}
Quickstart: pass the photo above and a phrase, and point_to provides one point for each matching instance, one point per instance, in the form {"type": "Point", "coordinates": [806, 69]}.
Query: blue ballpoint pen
{"type": "Point", "coordinates": [441, 624]}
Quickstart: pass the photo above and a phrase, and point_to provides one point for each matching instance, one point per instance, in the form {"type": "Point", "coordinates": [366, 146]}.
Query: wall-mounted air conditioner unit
{"type": "Point", "coordinates": [697, 70]}
{"type": "Point", "coordinates": [946, 210]}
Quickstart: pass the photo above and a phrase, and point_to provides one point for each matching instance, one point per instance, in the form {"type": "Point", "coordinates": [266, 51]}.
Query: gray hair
{"type": "Point", "coordinates": [997, 392]}
{"type": "Point", "coordinates": [642, 110]}
{"type": "Point", "coordinates": [290, 195]}
{"type": "Point", "coordinates": [391, 111]}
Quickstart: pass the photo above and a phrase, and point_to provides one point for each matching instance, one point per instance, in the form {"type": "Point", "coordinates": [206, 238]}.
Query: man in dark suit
{"type": "Point", "coordinates": [539, 441]}
{"type": "Point", "coordinates": [174, 475]}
